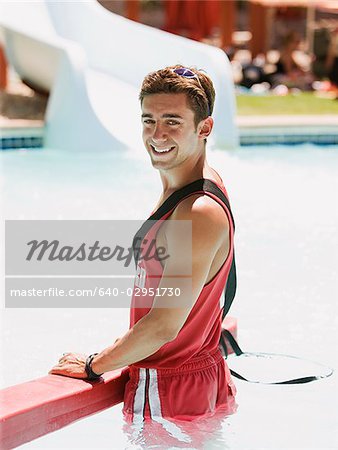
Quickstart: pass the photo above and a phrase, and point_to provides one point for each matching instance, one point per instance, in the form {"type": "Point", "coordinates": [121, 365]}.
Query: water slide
{"type": "Point", "coordinates": [93, 61]}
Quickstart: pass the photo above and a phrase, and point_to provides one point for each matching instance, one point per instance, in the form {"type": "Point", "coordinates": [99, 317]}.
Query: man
{"type": "Point", "coordinates": [175, 365]}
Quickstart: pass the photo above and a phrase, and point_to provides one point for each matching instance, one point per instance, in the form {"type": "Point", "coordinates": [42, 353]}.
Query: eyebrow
{"type": "Point", "coordinates": [164, 116]}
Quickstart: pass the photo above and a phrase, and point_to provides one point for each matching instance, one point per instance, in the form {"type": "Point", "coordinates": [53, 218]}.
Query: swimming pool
{"type": "Point", "coordinates": [284, 202]}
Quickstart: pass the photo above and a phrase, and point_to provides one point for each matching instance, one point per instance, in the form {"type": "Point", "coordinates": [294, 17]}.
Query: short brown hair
{"type": "Point", "coordinates": [200, 91]}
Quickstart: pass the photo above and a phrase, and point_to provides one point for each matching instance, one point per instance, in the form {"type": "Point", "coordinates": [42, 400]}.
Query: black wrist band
{"type": "Point", "coordinates": [91, 375]}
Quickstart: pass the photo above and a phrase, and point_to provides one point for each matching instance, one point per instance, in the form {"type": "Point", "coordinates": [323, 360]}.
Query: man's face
{"type": "Point", "coordinates": [169, 132]}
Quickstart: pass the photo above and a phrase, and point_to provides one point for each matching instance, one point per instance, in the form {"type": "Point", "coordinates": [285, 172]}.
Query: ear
{"type": "Point", "coordinates": [205, 127]}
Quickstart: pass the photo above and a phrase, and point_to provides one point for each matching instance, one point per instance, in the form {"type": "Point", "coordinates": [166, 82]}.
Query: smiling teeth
{"type": "Point", "coordinates": [162, 150]}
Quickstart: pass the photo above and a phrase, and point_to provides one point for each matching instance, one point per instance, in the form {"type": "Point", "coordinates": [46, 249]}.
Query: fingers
{"type": "Point", "coordinates": [67, 371]}
{"type": "Point", "coordinates": [57, 370]}
{"type": "Point", "coordinates": [70, 365]}
{"type": "Point", "coordinates": [60, 366]}
{"type": "Point", "coordinates": [69, 356]}
{"type": "Point", "coordinates": [63, 357]}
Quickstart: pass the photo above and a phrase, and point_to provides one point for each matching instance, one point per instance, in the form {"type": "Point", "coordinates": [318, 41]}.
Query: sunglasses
{"type": "Point", "coordinates": [187, 73]}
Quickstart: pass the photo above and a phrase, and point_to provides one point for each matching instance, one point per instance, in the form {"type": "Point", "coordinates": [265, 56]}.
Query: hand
{"type": "Point", "coordinates": [71, 365]}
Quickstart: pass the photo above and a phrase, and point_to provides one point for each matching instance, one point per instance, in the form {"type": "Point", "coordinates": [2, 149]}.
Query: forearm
{"type": "Point", "coordinates": [138, 343]}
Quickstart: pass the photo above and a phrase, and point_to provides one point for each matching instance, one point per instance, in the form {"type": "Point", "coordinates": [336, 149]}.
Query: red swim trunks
{"type": "Point", "coordinates": [197, 388]}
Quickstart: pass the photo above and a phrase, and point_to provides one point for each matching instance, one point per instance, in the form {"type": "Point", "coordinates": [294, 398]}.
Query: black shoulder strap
{"type": "Point", "coordinates": [201, 185]}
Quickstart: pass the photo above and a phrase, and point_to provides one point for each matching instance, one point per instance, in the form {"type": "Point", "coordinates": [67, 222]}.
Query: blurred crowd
{"type": "Point", "coordinates": [293, 63]}
{"type": "Point", "coordinates": [290, 68]}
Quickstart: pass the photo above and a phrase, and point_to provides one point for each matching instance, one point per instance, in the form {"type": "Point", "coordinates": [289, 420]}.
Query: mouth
{"type": "Point", "coordinates": [161, 151]}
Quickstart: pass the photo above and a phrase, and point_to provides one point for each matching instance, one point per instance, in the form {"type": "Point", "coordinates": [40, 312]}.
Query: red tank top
{"type": "Point", "coordinates": [201, 332]}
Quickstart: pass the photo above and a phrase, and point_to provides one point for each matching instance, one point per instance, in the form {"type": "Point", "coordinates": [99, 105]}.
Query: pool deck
{"type": "Point", "coordinates": [9, 126]}
{"type": "Point", "coordinates": [19, 123]}
{"type": "Point", "coordinates": [288, 129]}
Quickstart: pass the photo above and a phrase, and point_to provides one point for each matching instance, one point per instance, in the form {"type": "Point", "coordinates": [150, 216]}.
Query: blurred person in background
{"type": "Point", "coordinates": [321, 44]}
{"type": "Point", "coordinates": [332, 59]}
{"type": "Point", "coordinates": [288, 71]}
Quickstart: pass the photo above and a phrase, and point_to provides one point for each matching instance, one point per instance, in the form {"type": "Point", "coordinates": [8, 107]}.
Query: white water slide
{"type": "Point", "coordinates": [93, 62]}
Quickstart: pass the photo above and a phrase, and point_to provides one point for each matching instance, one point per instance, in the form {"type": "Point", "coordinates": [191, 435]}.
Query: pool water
{"type": "Point", "coordinates": [284, 200]}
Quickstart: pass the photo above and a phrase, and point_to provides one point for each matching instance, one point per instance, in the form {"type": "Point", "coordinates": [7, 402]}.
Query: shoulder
{"type": "Point", "coordinates": [200, 206]}
{"type": "Point", "coordinates": [206, 214]}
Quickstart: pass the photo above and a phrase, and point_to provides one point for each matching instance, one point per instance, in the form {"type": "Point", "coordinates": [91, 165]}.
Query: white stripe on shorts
{"type": "Point", "coordinates": [154, 397]}
{"type": "Point", "coordinates": [140, 396]}
{"type": "Point", "coordinates": [156, 412]}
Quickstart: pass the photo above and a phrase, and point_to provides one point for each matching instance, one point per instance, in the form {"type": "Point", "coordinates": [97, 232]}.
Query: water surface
{"type": "Point", "coordinates": [285, 204]}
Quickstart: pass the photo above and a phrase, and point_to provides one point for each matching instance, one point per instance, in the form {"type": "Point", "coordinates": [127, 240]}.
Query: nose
{"type": "Point", "coordinates": [159, 133]}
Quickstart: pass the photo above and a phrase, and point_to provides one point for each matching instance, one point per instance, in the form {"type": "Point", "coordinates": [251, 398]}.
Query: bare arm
{"type": "Point", "coordinates": [162, 324]}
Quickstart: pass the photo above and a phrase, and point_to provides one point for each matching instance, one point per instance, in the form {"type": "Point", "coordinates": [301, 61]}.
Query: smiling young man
{"type": "Point", "coordinates": [175, 365]}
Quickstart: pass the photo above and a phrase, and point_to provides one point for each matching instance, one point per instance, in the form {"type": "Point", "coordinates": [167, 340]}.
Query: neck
{"type": "Point", "coordinates": [192, 169]}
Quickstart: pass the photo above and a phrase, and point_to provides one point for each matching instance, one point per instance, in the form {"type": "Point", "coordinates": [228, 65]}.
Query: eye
{"type": "Point", "coordinates": [148, 121]}
{"type": "Point", "coordinates": [173, 122]}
